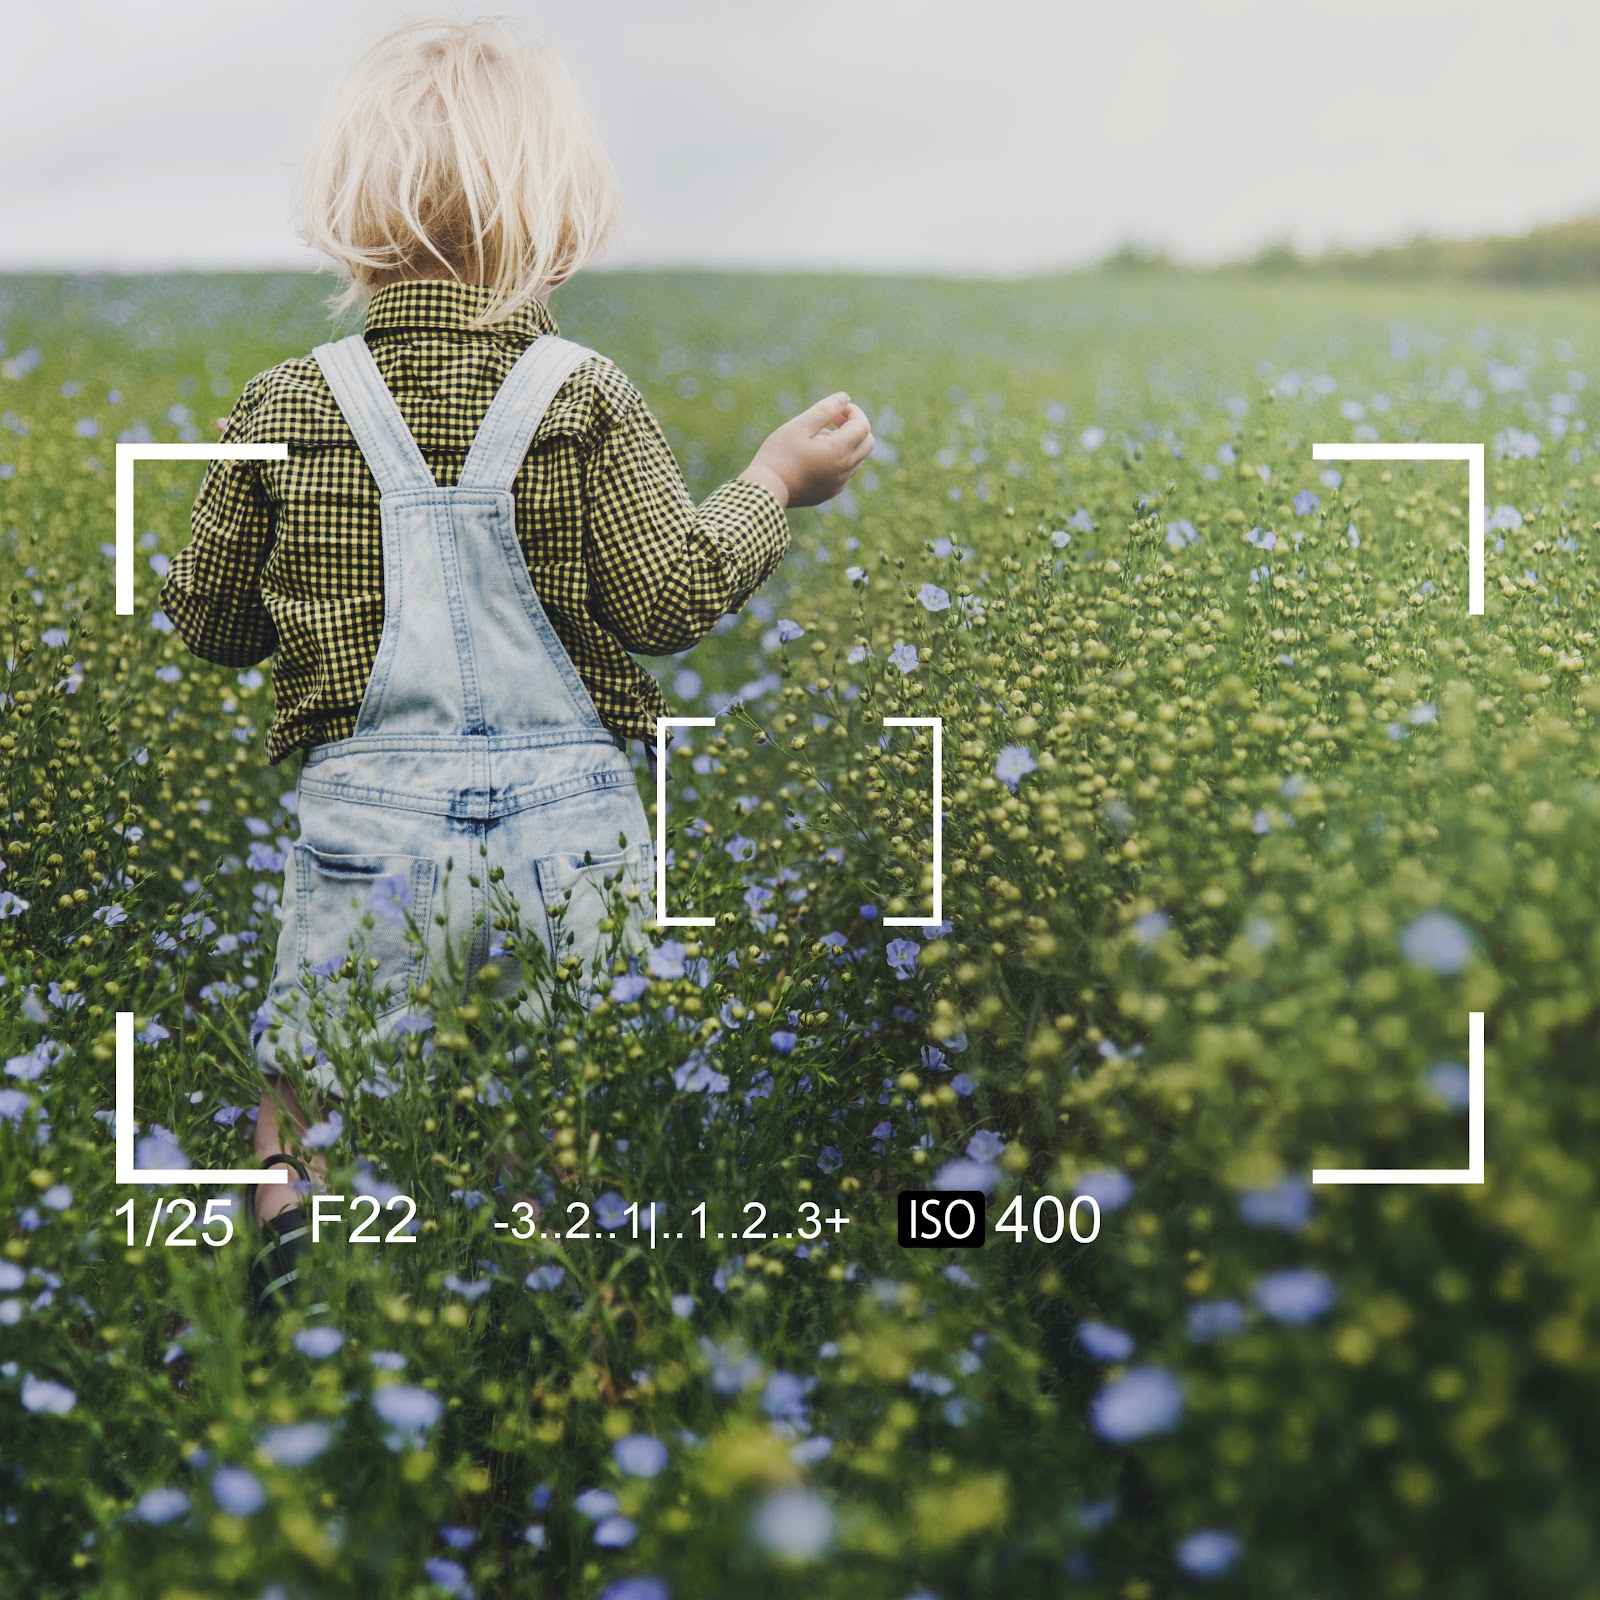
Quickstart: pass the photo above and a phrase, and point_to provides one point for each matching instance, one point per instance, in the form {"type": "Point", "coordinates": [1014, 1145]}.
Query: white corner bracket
{"type": "Point", "coordinates": [662, 724]}
{"type": "Point", "coordinates": [123, 1133]}
{"type": "Point", "coordinates": [122, 1113]}
{"type": "Point", "coordinates": [1473, 1173]}
{"type": "Point", "coordinates": [127, 454]}
{"type": "Point", "coordinates": [937, 724]}
{"type": "Point", "coordinates": [1472, 454]}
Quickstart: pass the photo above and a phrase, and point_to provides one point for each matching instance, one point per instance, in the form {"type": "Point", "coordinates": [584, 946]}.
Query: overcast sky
{"type": "Point", "coordinates": [992, 136]}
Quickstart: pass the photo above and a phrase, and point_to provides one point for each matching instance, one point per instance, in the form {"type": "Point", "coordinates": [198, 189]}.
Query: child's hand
{"type": "Point", "coordinates": [813, 456]}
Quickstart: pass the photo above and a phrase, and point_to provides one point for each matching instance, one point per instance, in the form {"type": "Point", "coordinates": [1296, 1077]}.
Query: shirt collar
{"type": "Point", "coordinates": [444, 303]}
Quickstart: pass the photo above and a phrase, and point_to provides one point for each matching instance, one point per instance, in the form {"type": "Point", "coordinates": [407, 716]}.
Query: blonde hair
{"type": "Point", "coordinates": [469, 155]}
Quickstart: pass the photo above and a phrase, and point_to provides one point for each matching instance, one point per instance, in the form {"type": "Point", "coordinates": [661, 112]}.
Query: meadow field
{"type": "Point", "coordinates": [1243, 814]}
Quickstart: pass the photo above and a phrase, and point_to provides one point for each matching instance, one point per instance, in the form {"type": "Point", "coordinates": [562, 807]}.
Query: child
{"type": "Point", "coordinates": [476, 522]}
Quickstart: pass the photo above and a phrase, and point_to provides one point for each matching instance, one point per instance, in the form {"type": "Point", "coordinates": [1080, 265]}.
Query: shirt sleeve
{"type": "Point", "coordinates": [212, 590]}
{"type": "Point", "coordinates": [662, 571]}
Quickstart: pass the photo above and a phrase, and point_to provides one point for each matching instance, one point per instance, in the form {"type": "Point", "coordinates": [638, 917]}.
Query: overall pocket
{"type": "Point", "coordinates": [578, 897]}
{"type": "Point", "coordinates": [335, 897]}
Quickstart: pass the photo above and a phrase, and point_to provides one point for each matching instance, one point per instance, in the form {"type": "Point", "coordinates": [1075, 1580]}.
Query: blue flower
{"type": "Point", "coordinates": [905, 657]}
{"type": "Point", "coordinates": [666, 959]}
{"type": "Point", "coordinates": [296, 1443]}
{"type": "Point", "coordinates": [640, 1455]}
{"type": "Point", "coordinates": [262, 857]}
{"type": "Point", "coordinates": [784, 1397]}
{"type": "Point", "coordinates": [610, 1211]}
{"type": "Point", "coordinates": [1214, 1319]}
{"type": "Point", "coordinates": [450, 1575]}
{"type": "Point", "coordinates": [636, 1589]}
{"type": "Point", "coordinates": [237, 1492]}
{"type": "Point", "coordinates": [902, 956]}
{"type": "Point", "coordinates": [1451, 1083]}
{"type": "Point", "coordinates": [1013, 762]}
{"type": "Point", "coordinates": [829, 1159]}
{"type": "Point", "coordinates": [406, 1407]}
{"type": "Point", "coordinates": [318, 1342]}
{"type": "Point", "coordinates": [1144, 1400]}
{"type": "Point", "coordinates": [595, 1503]}
{"type": "Point", "coordinates": [322, 1134]}
{"type": "Point", "coordinates": [615, 1533]}
{"type": "Point", "coordinates": [111, 916]}
{"type": "Point", "coordinates": [54, 638]}
{"type": "Point", "coordinates": [1295, 1295]}
{"type": "Point", "coordinates": [29, 1067]}
{"type": "Point", "coordinates": [1305, 503]}
{"type": "Point", "coordinates": [794, 1523]}
{"type": "Point", "coordinates": [1104, 1342]}
{"type": "Point", "coordinates": [696, 1075]}
{"type": "Point", "coordinates": [967, 1175]}
{"type": "Point", "coordinates": [1150, 927]}
{"type": "Point", "coordinates": [985, 1145]}
{"type": "Point", "coordinates": [161, 1506]}
{"type": "Point", "coordinates": [788, 629]}
{"type": "Point", "coordinates": [1108, 1188]}
{"type": "Point", "coordinates": [1435, 940]}
{"type": "Point", "coordinates": [783, 1041]}
{"type": "Point", "coordinates": [44, 1394]}
{"type": "Point", "coordinates": [548, 1277]}
{"type": "Point", "coordinates": [1209, 1553]}
{"type": "Point", "coordinates": [159, 1149]}
{"type": "Point", "coordinates": [1286, 1205]}
{"type": "Point", "coordinates": [933, 597]}
{"type": "Point", "coordinates": [64, 999]}
{"type": "Point", "coordinates": [629, 987]}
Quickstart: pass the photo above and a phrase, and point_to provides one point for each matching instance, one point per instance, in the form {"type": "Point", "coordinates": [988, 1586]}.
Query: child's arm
{"type": "Point", "coordinates": [662, 571]}
{"type": "Point", "coordinates": [212, 590]}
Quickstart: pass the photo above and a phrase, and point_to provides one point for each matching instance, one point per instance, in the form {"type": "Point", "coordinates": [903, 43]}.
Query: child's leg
{"type": "Point", "coordinates": [272, 1130]}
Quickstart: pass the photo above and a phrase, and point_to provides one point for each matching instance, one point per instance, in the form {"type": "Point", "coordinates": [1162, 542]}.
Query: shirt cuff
{"type": "Point", "coordinates": [752, 527]}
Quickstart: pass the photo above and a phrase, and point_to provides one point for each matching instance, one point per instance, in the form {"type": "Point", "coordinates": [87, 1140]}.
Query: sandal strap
{"type": "Point", "coordinates": [287, 1160]}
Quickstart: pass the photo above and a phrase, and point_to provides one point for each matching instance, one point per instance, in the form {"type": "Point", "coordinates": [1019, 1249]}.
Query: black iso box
{"type": "Point", "coordinates": [942, 1219]}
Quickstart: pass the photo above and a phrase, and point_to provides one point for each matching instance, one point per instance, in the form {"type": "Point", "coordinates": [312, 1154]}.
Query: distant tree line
{"type": "Point", "coordinates": [1563, 252]}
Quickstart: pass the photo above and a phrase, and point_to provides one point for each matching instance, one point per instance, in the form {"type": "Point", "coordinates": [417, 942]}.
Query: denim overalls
{"type": "Point", "coordinates": [477, 746]}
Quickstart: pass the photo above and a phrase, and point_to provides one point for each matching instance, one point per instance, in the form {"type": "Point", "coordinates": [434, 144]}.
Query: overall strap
{"type": "Point", "coordinates": [514, 415]}
{"type": "Point", "coordinates": [369, 408]}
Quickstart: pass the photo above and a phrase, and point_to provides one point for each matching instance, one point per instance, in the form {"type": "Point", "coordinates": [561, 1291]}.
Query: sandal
{"type": "Point", "coordinates": [276, 1265]}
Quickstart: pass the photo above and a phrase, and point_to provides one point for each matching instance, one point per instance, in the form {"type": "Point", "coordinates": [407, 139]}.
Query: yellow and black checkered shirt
{"type": "Point", "coordinates": [286, 557]}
